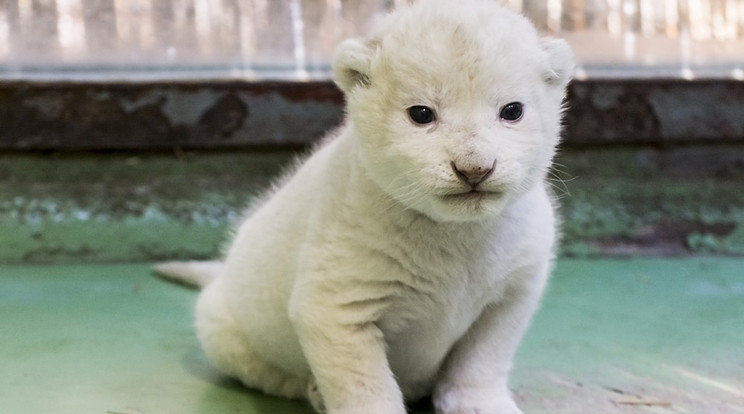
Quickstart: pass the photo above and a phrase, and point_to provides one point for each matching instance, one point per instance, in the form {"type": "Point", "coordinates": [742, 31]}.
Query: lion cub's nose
{"type": "Point", "coordinates": [473, 174]}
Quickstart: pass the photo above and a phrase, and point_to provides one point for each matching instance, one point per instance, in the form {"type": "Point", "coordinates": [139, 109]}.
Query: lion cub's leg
{"type": "Point", "coordinates": [228, 349]}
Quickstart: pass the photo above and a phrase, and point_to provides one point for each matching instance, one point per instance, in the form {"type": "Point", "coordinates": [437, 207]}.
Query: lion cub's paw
{"type": "Point", "coordinates": [466, 401]}
{"type": "Point", "coordinates": [314, 397]}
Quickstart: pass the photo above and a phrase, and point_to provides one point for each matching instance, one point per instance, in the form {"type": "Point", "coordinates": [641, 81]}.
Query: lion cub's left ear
{"type": "Point", "coordinates": [351, 64]}
{"type": "Point", "coordinates": [560, 60]}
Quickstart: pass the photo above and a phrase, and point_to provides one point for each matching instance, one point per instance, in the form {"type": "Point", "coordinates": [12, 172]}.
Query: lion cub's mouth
{"type": "Point", "coordinates": [472, 195]}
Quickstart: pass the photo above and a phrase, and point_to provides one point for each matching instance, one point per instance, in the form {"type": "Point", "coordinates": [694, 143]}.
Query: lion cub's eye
{"type": "Point", "coordinates": [512, 112]}
{"type": "Point", "coordinates": [421, 115]}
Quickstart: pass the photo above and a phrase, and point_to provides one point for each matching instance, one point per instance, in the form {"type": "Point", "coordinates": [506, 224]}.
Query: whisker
{"type": "Point", "coordinates": [406, 194]}
{"type": "Point", "coordinates": [557, 182]}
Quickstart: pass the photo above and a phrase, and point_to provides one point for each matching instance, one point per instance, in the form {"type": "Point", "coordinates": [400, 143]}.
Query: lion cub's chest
{"type": "Point", "coordinates": [423, 325]}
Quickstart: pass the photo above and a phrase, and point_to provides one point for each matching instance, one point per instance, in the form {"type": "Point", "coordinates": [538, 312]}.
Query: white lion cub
{"type": "Point", "coordinates": [405, 257]}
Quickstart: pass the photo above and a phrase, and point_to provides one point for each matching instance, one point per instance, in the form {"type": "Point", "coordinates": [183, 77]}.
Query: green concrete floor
{"type": "Point", "coordinates": [613, 336]}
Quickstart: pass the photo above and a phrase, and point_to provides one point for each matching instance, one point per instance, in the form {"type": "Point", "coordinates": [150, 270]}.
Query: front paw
{"type": "Point", "coordinates": [314, 397]}
{"type": "Point", "coordinates": [468, 401]}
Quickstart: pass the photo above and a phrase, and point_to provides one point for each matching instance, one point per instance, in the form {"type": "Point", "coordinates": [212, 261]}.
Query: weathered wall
{"type": "Point", "coordinates": [155, 206]}
{"type": "Point", "coordinates": [646, 168]}
{"type": "Point", "coordinates": [85, 116]}
{"type": "Point", "coordinates": [155, 116]}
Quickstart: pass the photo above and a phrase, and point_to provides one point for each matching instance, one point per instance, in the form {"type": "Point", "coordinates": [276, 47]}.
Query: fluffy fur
{"type": "Point", "coordinates": [376, 274]}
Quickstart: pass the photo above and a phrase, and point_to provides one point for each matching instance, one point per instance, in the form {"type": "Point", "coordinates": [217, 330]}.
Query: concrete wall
{"type": "Point", "coordinates": [145, 116]}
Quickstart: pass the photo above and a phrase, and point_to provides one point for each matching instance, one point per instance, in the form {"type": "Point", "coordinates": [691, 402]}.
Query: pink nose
{"type": "Point", "coordinates": [473, 175]}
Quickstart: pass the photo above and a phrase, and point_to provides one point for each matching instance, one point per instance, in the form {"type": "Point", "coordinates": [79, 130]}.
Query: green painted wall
{"type": "Point", "coordinates": [151, 206]}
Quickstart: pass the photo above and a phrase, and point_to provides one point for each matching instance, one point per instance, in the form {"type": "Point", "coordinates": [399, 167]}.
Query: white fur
{"type": "Point", "coordinates": [362, 281]}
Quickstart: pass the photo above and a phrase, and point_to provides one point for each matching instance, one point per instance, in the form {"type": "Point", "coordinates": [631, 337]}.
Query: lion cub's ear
{"type": "Point", "coordinates": [560, 61]}
{"type": "Point", "coordinates": [351, 64]}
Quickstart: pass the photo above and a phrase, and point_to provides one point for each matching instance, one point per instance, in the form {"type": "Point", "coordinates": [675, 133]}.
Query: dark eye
{"type": "Point", "coordinates": [511, 112]}
{"type": "Point", "coordinates": [421, 114]}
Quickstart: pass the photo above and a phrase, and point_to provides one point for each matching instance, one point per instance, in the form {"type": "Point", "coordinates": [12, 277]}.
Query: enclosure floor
{"type": "Point", "coordinates": [612, 336]}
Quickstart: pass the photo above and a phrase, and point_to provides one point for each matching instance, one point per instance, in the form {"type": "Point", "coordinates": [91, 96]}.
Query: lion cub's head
{"type": "Point", "coordinates": [456, 104]}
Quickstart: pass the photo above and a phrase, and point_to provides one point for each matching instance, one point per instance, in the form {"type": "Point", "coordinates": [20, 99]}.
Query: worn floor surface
{"type": "Point", "coordinates": [613, 336]}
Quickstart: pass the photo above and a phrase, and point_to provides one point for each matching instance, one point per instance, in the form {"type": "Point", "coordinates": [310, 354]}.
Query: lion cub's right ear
{"type": "Point", "coordinates": [561, 61]}
{"type": "Point", "coordinates": [351, 64]}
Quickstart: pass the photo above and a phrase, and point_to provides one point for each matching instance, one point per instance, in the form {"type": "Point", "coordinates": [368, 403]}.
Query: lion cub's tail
{"type": "Point", "coordinates": [194, 274]}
